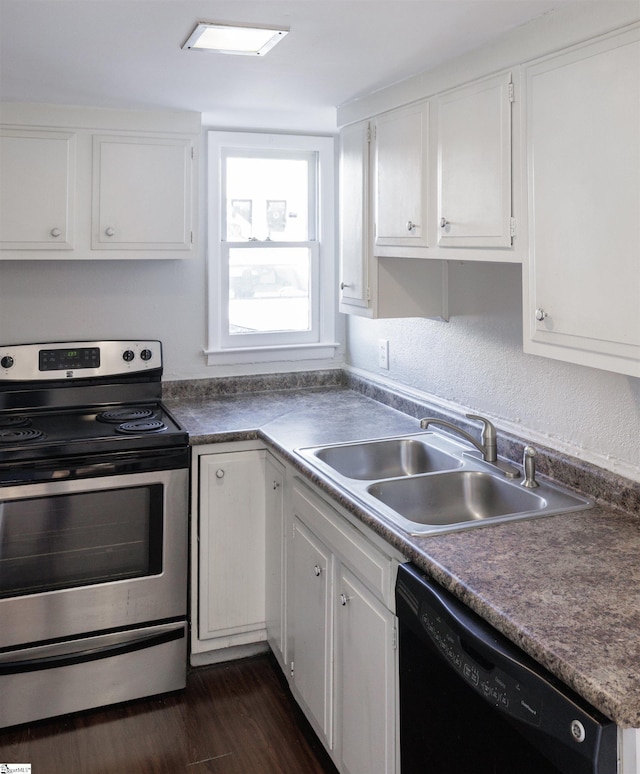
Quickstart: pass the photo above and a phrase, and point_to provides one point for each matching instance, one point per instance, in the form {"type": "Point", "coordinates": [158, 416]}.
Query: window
{"type": "Point", "coordinates": [271, 247]}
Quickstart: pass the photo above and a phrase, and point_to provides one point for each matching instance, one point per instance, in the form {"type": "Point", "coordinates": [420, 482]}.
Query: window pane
{"type": "Point", "coordinates": [269, 289]}
{"type": "Point", "coordinates": [267, 199]}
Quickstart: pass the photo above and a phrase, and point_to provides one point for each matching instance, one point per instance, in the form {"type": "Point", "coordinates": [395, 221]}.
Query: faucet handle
{"type": "Point", "coordinates": [488, 437]}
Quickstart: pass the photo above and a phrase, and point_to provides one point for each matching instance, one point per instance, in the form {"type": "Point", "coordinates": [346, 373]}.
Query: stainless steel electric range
{"type": "Point", "coordinates": [93, 529]}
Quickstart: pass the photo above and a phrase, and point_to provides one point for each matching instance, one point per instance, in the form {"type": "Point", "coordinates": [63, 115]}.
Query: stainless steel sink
{"type": "Point", "coordinates": [428, 483]}
{"type": "Point", "coordinates": [451, 498]}
{"type": "Point", "coordinates": [389, 458]}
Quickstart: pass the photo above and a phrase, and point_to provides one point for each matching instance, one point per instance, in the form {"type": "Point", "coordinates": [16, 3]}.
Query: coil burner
{"type": "Point", "coordinates": [152, 425]}
{"type": "Point", "coordinates": [19, 434]}
{"type": "Point", "coordinates": [125, 414]}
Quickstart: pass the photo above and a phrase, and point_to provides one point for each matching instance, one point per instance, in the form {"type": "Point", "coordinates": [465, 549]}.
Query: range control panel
{"type": "Point", "coordinates": [492, 683]}
{"type": "Point", "coordinates": [77, 359]}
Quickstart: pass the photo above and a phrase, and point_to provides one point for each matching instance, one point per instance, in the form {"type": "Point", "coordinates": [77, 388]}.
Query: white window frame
{"type": "Point", "coordinates": [319, 342]}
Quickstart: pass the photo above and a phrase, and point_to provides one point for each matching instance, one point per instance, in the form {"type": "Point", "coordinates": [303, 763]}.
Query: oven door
{"type": "Point", "coordinates": [92, 552]}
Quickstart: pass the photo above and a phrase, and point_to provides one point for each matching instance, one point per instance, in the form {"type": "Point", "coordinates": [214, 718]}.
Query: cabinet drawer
{"type": "Point", "coordinates": [366, 562]}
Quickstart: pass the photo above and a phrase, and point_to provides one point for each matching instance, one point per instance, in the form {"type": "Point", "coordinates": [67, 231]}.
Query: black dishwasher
{"type": "Point", "coordinates": [471, 702]}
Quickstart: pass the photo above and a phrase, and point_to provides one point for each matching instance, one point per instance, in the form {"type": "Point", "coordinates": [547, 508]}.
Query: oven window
{"type": "Point", "coordinates": [79, 539]}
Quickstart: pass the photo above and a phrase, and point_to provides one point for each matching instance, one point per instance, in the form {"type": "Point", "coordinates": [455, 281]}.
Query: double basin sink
{"type": "Point", "coordinates": [427, 483]}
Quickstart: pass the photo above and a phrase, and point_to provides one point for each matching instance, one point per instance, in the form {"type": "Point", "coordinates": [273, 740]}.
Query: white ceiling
{"type": "Point", "coordinates": [127, 53]}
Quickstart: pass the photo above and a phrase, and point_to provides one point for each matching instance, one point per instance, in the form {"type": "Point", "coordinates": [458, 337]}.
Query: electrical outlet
{"type": "Point", "coordinates": [383, 353]}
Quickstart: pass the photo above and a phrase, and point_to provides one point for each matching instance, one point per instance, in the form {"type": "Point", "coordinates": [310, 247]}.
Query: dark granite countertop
{"type": "Point", "coordinates": [565, 588]}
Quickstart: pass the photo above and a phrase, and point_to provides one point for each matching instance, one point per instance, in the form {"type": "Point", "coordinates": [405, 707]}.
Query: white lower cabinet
{"type": "Point", "coordinates": [342, 636]}
{"type": "Point", "coordinates": [228, 610]}
{"type": "Point", "coordinates": [365, 681]}
{"type": "Point", "coordinates": [276, 493]}
{"type": "Point", "coordinates": [310, 626]}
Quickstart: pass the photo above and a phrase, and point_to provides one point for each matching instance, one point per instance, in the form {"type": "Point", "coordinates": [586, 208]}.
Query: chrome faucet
{"type": "Point", "coordinates": [487, 445]}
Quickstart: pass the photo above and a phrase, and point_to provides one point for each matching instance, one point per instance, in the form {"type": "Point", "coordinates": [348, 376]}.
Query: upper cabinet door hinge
{"type": "Point", "coordinates": [511, 94]}
{"type": "Point", "coordinates": [512, 227]}
{"type": "Point", "coordinates": [368, 294]}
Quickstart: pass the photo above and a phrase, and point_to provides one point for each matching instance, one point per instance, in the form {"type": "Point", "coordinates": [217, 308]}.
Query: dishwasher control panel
{"type": "Point", "coordinates": [494, 684]}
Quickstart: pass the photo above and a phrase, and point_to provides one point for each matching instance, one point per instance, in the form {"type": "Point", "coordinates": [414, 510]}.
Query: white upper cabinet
{"type": "Point", "coordinates": [78, 183]}
{"type": "Point", "coordinates": [401, 175]}
{"type": "Point", "coordinates": [37, 188]}
{"type": "Point", "coordinates": [141, 193]}
{"type": "Point", "coordinates": [372, 285]}
{"type": "Point", "coordinates": [582, 288]}
{"type": "Point", "coordinates": [474, 165]}
{"type": "Point", "coordinates": [354, 215]}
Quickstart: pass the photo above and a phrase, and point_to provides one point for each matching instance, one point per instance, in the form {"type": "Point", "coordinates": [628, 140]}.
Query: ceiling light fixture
{"type": "Point", "coordinates": [234, 38]}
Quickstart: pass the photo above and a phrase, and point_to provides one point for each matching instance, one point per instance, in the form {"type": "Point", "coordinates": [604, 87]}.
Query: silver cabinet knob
{"type": "Point", "coordinates": [443, 222]}
{"type": "Point", "coordinates": [109, 231]}
{"type": "Point", "coordinates": [540, 314]}
{"type": "Point", "coordinates": [344, 285]}
{"type": "Point", "coordinates": [55, 232]}
{"type": "Point", "coordinates": [276, 485]}
{"type": "Point", "coordinates": [343, 599]}
{"type": "Point", "coordinates": [317, 571]}
{"type": "Point", "coordinates": [411, 225]}
{"type": "Point", "coordinates": [219, 473]}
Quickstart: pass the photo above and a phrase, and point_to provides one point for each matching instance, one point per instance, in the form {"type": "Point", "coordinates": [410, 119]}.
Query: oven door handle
{"type": "Point", "coordinates": [141, 642]}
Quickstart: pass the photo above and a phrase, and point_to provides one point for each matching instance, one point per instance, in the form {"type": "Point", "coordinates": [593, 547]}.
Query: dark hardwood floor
{"type": "Point", "coordinates": [234, 718]}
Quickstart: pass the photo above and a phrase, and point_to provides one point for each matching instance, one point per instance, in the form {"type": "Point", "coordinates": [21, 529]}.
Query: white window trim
{"type": "Point", "coordinates": [324, 344]}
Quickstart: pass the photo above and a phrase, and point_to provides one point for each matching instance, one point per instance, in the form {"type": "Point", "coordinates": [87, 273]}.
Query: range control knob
{"type": "Point", "coordinates": [128, 355]}
{"type": "Point", "coordinates": [146, 354]}
{"type": "Point", "coordinates": [7, 361]}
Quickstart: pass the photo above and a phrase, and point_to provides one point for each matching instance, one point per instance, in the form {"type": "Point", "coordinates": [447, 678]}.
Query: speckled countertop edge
{"type": "Point", "coordinates": [565, 588]}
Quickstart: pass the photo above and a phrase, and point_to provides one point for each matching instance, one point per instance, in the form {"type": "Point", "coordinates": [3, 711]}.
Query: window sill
{"type": "Point", "coordinates": [271, 354]}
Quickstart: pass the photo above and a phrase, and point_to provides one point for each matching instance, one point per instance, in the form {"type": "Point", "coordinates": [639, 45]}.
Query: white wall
{"type": "Point", "coordinates": [476, 361]}
{"type": "Point", "coordinates": [65, 300]}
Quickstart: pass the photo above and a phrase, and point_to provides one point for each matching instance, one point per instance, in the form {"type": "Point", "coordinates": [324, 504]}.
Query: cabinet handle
{"type": "Point", "coordinates": [444, 223]}
{"type": "Point", "coordinates": [540, 314]}
{"type": "Point", "coordinates": [219, 473]}
{"type": "Point", "coordinates": [109, 231]}
{"type": "Point", "coordinates": [411, 225]}
{"type": "Point", "coordinates": [344, 599]}
{"type": "Point", "coordinates": [344, 285]}
{"type": "Point", "coordinates": [55, 232]}
{"type": "Point", "coordinates": [276, 485]}
{"type": "Point", "coordinates": [317, 571]}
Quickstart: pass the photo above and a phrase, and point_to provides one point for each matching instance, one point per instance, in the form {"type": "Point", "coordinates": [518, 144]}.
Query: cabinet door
{"type": "Point", "coordinates": [365, 679]}
{"type": "Point", "coordinates": [37, 184]}
{"type": "Point", "coordinates": [400, 284]}
{"type": "Point", "coordinates": [310, 628]}
{"type": "Point", "coordinates": [232, 580]}
{"type": "Point", "coordinates": [275, 556]}
{"type": "Point", "coordinates": [354, 215]}
{"type": "Point", "coordinates": [474, 165]}
{"type": "Point", "coordinates": [141, 193]}
{"type": "Point", "coordinates": [401, 177]}
{"type": "Point", "coordinates": [582, 303]}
